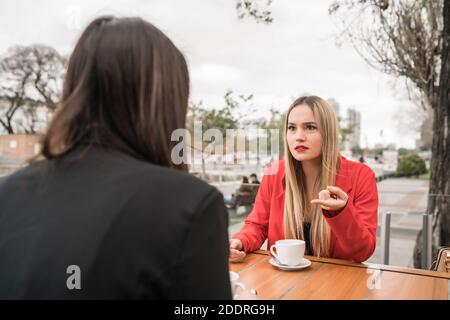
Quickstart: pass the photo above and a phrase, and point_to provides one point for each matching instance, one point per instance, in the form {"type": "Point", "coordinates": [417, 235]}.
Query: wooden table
{"type": "Point", "coordinates": [338, 279]}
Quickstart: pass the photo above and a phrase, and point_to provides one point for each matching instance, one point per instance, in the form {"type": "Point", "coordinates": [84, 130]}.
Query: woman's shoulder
{"type": "Point", "coordinates": [139, 173]}
{"type": "Point", "coordinates": [169, 180]}
{"type": "Point", "coordinates": [275, 168]}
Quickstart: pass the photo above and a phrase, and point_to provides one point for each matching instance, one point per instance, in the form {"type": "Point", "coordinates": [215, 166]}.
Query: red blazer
{"type": "Point", "coordinates": [353, 229]}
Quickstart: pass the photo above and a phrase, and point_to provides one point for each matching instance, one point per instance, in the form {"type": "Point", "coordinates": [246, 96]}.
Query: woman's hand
{"type": "Point", "coordinates": [331, 199]}
{"type": "Point", "coordinates": [236, 253]}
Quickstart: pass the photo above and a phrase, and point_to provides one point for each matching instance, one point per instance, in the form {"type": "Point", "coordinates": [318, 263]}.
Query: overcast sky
{"type": "Point", "coordinates": [294, 55]}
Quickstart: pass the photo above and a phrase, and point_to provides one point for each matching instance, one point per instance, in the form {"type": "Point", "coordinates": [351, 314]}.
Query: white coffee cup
{"type": "Point", "coordinates": [289, 252]}
{"type": "Point", "coordinates": [234, 277]}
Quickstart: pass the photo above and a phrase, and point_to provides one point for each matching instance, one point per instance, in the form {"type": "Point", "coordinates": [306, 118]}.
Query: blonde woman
{"type": "Point", "coordinates": [314, 194]}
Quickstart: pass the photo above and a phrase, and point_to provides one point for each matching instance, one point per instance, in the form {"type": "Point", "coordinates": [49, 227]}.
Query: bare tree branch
{"type": "Point", "coordinates": [256, 9]}
{"type": "Point", "coordinates": [29, 76]}
{"type": "Point", "coordinates": [411, 51]}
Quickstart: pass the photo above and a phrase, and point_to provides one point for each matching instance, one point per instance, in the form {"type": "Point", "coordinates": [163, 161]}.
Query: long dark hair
{"type": "Point", "coordinates": [126, 88]}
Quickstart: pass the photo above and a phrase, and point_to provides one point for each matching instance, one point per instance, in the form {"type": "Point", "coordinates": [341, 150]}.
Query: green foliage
{"type": "Point", "coordinates": [403, 152]}
{"type": "Point", "coordinates": [276, 121]}
{"type": "Point", "coordinates": [411, 165]}
{"type": "Point", "coordinates": [225, 117]}
{"type": "Point", "coordinates": [221, 118]}
{"type": "Point", "coordinates": [357, 151]}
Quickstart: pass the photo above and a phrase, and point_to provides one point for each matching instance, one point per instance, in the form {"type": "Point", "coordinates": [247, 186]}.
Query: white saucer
{"type": "Point", "coordinates": [306, 263]}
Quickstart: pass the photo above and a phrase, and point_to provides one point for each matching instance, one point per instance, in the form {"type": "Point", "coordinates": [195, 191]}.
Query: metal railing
{"type": "Point", "coordinates": [426, 239]}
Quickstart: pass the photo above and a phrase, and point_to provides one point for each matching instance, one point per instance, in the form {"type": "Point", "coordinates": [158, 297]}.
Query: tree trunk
{"type": "Point", "coordinates": [6, 125]}
{"type": "Point", "coordinates": [439, 191]}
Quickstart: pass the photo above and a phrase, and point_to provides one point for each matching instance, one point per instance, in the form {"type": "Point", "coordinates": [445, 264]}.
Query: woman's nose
{"type": "Point", "coordinates": [300, 135]}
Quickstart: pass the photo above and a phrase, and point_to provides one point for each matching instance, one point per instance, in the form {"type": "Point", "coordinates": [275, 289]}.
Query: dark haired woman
{"type": "Point", "coordinates": [106, 213]}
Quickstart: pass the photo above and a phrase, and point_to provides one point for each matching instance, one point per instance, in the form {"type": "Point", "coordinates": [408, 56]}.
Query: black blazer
{"type": "Point", "coordinates": [135, 230]}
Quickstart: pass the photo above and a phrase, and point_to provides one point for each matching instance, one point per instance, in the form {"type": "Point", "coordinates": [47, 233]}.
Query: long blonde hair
{"type": "Point", "coordinates": [296, 199]}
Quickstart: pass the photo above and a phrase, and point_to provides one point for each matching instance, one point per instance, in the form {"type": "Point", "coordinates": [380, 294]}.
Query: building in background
{"type": "Point", "coordinates": [335, 105]}
{"type": "Point", "coordinates": [16, 149]}
{"type": "Point", "coordinates": [354, 123]}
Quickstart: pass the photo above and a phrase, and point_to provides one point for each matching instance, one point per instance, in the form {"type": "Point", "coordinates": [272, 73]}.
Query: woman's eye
{"type": "Point", "coordinates": [310, 127]}
{"type": "Point", "coordinates": [291, 128]}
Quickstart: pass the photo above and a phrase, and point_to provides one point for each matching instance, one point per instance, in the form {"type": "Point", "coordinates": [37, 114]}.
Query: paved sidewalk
{"type": "Point", "coordinates": [406, 199]}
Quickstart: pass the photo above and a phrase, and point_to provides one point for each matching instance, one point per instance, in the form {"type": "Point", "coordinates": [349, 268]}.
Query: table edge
{"type": "Point", "coordinates": [427, 273]}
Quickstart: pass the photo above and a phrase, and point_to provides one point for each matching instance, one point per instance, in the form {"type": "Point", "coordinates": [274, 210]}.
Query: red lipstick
{"type": "Point", "coordinates": [301, 148]}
